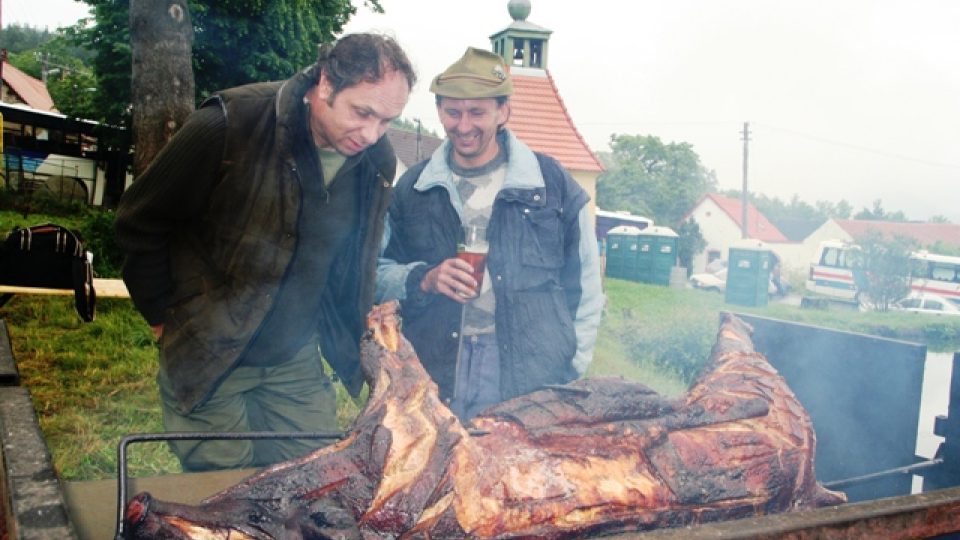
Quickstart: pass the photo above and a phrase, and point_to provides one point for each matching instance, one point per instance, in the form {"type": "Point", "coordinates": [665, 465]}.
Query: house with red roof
{"type": "Point", "coordinates": [18, 87]}
{"type": "Point", "coordinates": [721, 223]}
{"type": "Point", "coordinates": [720, 219]}
{"type": "Point", "coordinates": [538, 115]}
{"type": "Point", "coordinates": [926, 235]}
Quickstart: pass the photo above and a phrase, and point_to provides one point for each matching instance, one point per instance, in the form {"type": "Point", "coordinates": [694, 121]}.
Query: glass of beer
{"type": "Point", "coordinates": [474, 250]}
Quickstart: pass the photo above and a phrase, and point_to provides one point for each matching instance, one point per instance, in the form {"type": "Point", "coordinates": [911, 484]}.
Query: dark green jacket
{"type": "Point", "coordinates": [206, 254]}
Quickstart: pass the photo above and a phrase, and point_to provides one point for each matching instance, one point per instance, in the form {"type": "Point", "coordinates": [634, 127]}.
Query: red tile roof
{"type": "Point", "coordinates": [30, 91]}
{"type": "Point", "coordinates": [539, 118]}
{"type": "Point", "coordinates": [758, 226]}
{"type": "Point", "coordinates": [405, 145]}
{"type": "Point", "coordinates": [925, 233]}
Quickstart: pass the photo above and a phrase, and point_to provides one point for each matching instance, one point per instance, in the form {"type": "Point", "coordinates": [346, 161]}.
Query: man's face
{"type": "Point", "coordinates": [358, 115]}
{"type": "Point", "coordinates": [471, 125]}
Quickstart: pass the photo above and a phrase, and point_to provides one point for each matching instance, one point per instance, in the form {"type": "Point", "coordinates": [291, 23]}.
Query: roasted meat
{"type": "Point", "coordinates": [597, 455]}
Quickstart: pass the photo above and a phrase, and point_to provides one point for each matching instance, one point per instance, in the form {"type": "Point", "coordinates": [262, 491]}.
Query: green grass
{"type": "Point", "coordinates": [94, 383]}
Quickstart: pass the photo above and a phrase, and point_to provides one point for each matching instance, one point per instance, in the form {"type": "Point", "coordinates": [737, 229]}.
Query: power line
{"type": "Point", "coordinates": [862, 148]}
{"type": "Point", "coordinates": [817, 138]}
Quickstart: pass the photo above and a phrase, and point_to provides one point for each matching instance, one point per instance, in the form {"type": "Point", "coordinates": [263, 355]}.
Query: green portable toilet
{"type": "Point", "coordinates": [748, 274]}
{"type": "Point", "coordinates": [658, 255]}
{"type": "Point", "coordinates": [622, 249]}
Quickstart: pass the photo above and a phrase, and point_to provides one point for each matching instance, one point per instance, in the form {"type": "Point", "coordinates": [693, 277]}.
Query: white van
{"type": "Point", "coordinates": [835, 271]}
{"type": "Point", "coordinates": [931, 273]}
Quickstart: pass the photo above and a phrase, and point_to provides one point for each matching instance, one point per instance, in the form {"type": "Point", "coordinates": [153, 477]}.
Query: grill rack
{"type": "Point", "coordinates": [122, 476]}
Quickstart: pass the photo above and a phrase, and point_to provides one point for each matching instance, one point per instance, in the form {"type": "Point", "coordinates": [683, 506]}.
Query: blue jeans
{"type": "Point", "coordinates": [477, 382]}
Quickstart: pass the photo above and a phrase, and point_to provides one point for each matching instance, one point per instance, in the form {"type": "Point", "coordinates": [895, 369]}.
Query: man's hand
{"type": "Point", "coordinates": [157, 331]}
{"type": "Point", "coordinates": [452, 279]}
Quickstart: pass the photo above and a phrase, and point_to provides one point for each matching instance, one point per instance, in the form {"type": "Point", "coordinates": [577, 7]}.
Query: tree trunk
{"type": "Point", "coordinates": [162, 87]}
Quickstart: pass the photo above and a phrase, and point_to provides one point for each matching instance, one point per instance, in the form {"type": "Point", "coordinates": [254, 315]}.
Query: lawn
{"type": "Point", "coordinates": [93, 383]}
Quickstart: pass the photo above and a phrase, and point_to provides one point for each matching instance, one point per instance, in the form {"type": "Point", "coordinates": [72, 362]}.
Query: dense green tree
{"type": "Point", "coordinates": [235, 42]}
{"type": "Point", "coordinates": [17, 38]}
{"type": "Point", "coordinates": [662, 181]}
{"type": "Point", "coordinates": [690, 244]}
{"type": "Point", "coordinates": [886, 268]}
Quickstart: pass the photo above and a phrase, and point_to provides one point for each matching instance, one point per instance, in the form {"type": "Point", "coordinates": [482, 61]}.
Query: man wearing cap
{"type": "Point", "coordinates": [533, 321]}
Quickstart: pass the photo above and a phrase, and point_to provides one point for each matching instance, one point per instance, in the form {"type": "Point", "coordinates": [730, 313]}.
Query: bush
{"type": "Point", "coordinates": [97, 232]}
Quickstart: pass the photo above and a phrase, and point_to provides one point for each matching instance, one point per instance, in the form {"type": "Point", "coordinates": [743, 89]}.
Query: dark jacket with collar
{"type": "Point", "coordinates": [221, 264]}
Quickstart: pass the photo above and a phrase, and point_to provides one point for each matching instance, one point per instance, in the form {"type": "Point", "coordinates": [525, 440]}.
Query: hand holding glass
{"type": "Point", "coordinates": [473, 250]}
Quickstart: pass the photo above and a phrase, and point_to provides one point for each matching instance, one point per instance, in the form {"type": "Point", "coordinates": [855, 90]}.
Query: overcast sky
{"type": "Point", "coordinates": [846, 99]}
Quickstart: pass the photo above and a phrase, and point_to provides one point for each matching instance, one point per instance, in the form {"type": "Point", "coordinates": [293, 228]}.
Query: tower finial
{"type": "Point", "coordinates": [519, 9]}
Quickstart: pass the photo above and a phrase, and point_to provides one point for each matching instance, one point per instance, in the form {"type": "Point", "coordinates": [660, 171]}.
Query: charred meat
{"type": "Point", "coordinates": [595, 456]}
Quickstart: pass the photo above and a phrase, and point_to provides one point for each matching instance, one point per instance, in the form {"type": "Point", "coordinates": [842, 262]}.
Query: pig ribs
{"type": "Point", "coordinates": [598, 455]}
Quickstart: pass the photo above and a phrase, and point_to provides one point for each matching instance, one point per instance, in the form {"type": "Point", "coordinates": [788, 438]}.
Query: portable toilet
{"type": "Point", "coordinates": [622, 248]}
{"type": "Point", "coordinates": [657, 254]}
{"type": "Point", "coordinates": [748, 274]}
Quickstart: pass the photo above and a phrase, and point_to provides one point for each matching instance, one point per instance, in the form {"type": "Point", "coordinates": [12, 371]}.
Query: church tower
{"type": "Point", "coordinates": [523, 43]}
{"type": "Point", "coordinates": [538, 116]}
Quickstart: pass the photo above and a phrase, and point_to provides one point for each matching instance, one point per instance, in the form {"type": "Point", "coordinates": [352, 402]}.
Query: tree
{"type": "Point", "coordinates": [776, 209]}
{"type": "Point", "coordinates": [50, 57]}
{"type": "Point", "coordinates": [879, 214]}
{"type": "Point", "coordinates": [886, 268]}
{"type": "Point", "coordinates": [690, 244]}
{"type": "Point", "coordinates": [651, 178]}
{"type": "Point", "coordinates": [17, 38]}
{"type": "Point", "coordinates": [162, 86]}
{"type": "Point", "coordinates": [840, 210]}
{"type": "Point", "coordinates": [235, 42]}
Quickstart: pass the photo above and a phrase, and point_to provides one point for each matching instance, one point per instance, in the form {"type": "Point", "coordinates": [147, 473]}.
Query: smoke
{"type": "Point", "coordinates": [862, 392]}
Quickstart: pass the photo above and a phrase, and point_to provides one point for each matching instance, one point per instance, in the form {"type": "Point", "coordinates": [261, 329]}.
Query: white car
{"type": "Point", "coordinates": [927, 303]}
{"type": "Point", "coordinates": [710, 282]}
{"type": "Point", "coordinates": [718, 282]}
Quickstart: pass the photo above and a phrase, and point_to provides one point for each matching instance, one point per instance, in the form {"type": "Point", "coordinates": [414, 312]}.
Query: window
{"type": "Point", "coordinates": [909, 303]}
{"type": "Point", "coordinates": [518, 45]}
{"type": "Point", "coordinates": [831, 257]}
{"type": "Point", "coordinates": [536, 53]}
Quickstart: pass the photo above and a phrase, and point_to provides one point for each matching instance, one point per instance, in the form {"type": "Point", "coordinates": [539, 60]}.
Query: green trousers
{"type": "Point", "coordinates": [294, 396]}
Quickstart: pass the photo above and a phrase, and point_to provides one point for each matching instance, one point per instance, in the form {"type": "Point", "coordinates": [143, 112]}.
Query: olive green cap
{"type": "Point", "coordinates": [477, 74]}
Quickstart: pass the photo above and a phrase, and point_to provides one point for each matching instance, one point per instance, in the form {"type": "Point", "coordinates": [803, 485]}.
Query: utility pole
{"type": "Point", "coordinates": [743, 193]}
{"type": "Point", "coordinates": [419, 139]}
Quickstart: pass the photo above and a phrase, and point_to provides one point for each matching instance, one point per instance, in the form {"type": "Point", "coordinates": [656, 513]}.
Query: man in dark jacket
{"type": "Point", "coordinates": [533, 319]}
{"type": "Point", "coordinates": [252, 242]}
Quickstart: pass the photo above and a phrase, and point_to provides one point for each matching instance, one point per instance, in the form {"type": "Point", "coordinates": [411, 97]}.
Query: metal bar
{"type": "Point", "coordinates": [191, 435]}
{"type": "Point", "coordinates": [908, 517]}
{"type": "Point", "coordinates": [907, 469]}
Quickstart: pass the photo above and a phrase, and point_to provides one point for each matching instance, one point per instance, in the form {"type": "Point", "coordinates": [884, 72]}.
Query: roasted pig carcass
{"type": "Point", "coordinates": [594, 456]}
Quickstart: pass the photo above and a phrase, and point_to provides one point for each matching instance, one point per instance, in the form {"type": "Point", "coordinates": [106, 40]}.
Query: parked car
{"type": "Point", "coordinates": [707, 281]}
{"type": "Point", "coordinates": [717, 281]}
{"type": "Point", "coordinates": [927, 303]}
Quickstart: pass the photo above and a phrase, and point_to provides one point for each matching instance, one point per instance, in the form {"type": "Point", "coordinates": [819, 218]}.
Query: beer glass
{"type": "Point", "coordinates": [474, 250]}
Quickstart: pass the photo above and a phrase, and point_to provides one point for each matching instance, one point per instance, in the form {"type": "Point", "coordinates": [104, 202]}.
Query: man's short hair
{"type": "Point", "coordinates": [357, 58]}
